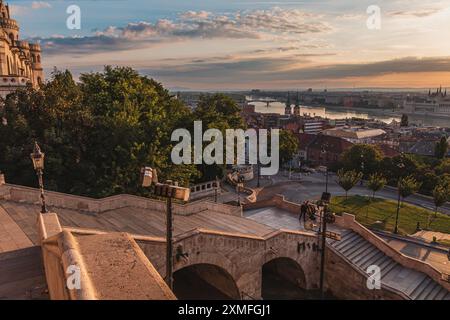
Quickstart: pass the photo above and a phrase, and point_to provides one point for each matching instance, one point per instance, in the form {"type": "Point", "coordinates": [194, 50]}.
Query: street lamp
{"type": "Point", "coordinates": [216, 188]}
{"type": "Point", "coordinates": [169, 190]}
{"type": "Point", "coordinates": [38, 163]}
{"type": "Point", "coordinates": [324, 152]}
{"type": "Point", "coordinates": [239, 185]}
{"type": "Point", "coordinates": [325, 217]}
{"type": "Point", "coordinates": [401, 166]}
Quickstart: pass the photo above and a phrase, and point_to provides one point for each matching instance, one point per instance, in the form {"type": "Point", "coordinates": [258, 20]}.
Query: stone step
{"type": "Point", "coordinates": [359, 261]}
{"type": "Point", "coordinates": [362, 254]}
{"type": "Point", "coordinates": [388, 268]}
{"type": "Point", "coordinates": [346, 241]}
{"type": "Point", "coordinates": [376, 260]}
{"type": "Point", "coordinates": [426, 291]}
{"type": "Point", "coordinates": [433, 292]}
{"type": "Point", "coordinates": [441, 294]}
{"type": "Point", "coordinates": [359, 248]}
{"type": "Point", "coordinates": [351, 245]}
{"type": "Point", "coordinates": [418, 290]}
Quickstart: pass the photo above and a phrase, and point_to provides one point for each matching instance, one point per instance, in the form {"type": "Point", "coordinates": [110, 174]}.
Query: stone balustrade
{"type": "Point", "coordinates": [92, 267]}
{"type": "Point", "coordinates": [60, 200]}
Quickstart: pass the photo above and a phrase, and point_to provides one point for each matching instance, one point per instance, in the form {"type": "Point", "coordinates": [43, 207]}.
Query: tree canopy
{"type": "Point", "coordinates": [98, 132]}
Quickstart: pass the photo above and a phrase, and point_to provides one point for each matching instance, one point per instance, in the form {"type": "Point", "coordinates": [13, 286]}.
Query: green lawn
{"type": "Point", "coordinates": [380, 214]}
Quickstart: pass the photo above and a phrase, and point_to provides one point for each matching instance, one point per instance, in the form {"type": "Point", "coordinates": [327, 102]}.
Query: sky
{"type": "Point", "coordinates": [240, 45]}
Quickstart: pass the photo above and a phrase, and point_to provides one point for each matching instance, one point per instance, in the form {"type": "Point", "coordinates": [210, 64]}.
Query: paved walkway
{"type": "Point", "coordinates": [11, 235]}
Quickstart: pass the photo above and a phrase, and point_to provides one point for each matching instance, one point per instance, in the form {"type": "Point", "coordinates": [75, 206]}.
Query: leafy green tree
{"type": "Point", "coordinates": [406, 186]}
{"type": "Point", "coordinates": [288, 146]}
{"type": "Point", "coordinates": [362, 157]}
{"type": "Point", "coordinates": [348, 179]}
{"type": "Point", "coordinates": [217, 111]}
{"type": "Point", "coordinates": [441, 194]}
{"type": "Point", "coordinates": [441, 148]}
{"type": "Point", "coordinates": [96, 133]}
{"type": "Point", "coordinates": [376, 182]}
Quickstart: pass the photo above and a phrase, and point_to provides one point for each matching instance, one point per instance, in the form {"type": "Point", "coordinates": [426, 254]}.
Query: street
{"type": "Point", "coordinates": [311, 187]}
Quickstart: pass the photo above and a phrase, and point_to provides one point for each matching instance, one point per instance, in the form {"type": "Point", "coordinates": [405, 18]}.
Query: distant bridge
{"type": "Point", "coordinates": [266, 101]}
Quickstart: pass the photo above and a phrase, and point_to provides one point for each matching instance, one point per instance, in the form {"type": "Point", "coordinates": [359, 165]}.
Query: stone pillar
{"type": "Point", "coordinates": [2, 179]}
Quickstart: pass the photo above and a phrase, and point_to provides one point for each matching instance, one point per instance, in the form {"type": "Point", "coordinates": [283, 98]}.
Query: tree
{"type": "Point", "coordinates": [376, 182]}
{"type": "Point", "coordinates": [406, 186]}
{"type": "Point", "coordinates": [216, 111]}
{"type": "Point", "coordinates": [441, 194]}
{"type": "Point", "coordinates": [441, 148]}
{"type": "Point", "coordinates": [348, 179]}
{"type": "Point", "coordinates": [362, 157]}
{"type": "Point", "coordinates": [405, 121]}
{"type": "Point", "coordinates": [288, 146]}
{"type": "Point", "coordinates": [96, 133]}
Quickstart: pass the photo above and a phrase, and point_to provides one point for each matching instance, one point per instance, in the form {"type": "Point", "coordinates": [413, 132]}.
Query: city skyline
{"type": "Point", "coordinates": [210, 45]}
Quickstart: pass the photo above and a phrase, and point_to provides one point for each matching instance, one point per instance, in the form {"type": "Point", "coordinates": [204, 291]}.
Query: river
{"type": "Point", "coordinates": [344, 113]}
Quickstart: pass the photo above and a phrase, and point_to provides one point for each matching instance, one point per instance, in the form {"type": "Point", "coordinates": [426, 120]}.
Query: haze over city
{"type": "Point", "coordinates": [233, 45]}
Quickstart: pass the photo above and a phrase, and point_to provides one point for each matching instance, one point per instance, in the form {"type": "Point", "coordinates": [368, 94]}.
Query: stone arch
{"type": "Point", "coordinates": [211, 282]}
{"type": "Point", "coordinates": [283, 277]}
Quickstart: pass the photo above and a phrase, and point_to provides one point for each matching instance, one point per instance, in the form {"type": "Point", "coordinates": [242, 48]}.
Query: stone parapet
{"type": "Point", "coordinates": [89, 205]}
{"type": "Point", "coordinates": [94, 266]}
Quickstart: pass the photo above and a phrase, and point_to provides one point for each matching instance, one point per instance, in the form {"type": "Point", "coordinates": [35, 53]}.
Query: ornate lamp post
{"type": "Point", "coordinates": [216, 189]}
{"type": "Point", "coordinates": [239, 186]}
{"type": "Point", "coordinates": [169, 190]}
{"type": "Point", "coordinates": [38, 163]}
{"type": "Point", "coordinates": [324, 152]}
{"type": "Point", "coordinates": [400, 166]}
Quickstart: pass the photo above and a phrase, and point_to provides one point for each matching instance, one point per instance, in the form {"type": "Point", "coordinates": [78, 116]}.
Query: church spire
{"type": "Point", "coordinates": [288, 109]}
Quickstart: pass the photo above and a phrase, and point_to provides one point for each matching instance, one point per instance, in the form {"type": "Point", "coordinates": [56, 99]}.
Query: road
{"type": "Point", "coordinates": [311, 186]}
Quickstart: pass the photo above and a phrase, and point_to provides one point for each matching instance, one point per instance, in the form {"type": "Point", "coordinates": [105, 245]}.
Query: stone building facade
{"type": "Point", "coordinates": [20, 61]}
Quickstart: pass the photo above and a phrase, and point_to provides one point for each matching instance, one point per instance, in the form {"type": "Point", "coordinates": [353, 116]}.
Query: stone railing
{"type": "Point", "coordinates": [205, 189]}
{"type": "Point", "coordinates": [79, 203]}
{"type": "Point", "coordinates": [73, 274]}
{"type": "Point", "coordinates": [278, 201]}
{"type": "Point", "coordinates": [251, 194]}
{"type": "Point", "coordinates": [348, 221]}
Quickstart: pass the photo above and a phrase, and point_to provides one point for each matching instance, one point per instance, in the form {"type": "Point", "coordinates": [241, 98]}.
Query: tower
{"type": "Point", "coordinates": [288, 109]}
{"type": "Point", "coordinates": [297, 106]}
{"type": "Point", "coordinates": [20, 61]}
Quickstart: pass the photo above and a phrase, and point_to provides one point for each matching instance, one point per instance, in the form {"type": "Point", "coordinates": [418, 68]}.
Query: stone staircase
{"type": "Point", "coordinates": [362, 254]}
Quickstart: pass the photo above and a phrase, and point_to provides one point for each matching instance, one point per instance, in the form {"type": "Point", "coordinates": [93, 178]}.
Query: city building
{"type": "Point", "coordinates": [326, 150]}
{"type": "Point", "coordinates": [355, 134]}
{"type": "Point", "coordinates": [288, 108]}
{"type": "Point", "coordinates": [20, 61]}
{"type": "Point", "coordinates": [297, 106]}
{"type": "Point", "coordinates": [435, 103]}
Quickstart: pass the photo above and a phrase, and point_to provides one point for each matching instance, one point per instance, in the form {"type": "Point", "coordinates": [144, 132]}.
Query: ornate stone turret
{"type": "Point", "coordinates": [20, 61]}
{"type": "Point", "coordinates": [288, 109]}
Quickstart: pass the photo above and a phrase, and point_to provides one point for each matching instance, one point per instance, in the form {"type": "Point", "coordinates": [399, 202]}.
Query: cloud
{"type": "Point", "coordinates": [40, 5]}
{"type": "Point", "coordinates": [17, 10]}
{"type": "Point", "coordinates": [256, 24]}
{"type": "Point", "coordinates": [419, 13]}
{"type": "Point", "coordinates": [272, 70]}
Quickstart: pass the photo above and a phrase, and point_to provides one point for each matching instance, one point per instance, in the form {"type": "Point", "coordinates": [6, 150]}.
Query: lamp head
{"type": "Point", "coordinates": [37, 157]}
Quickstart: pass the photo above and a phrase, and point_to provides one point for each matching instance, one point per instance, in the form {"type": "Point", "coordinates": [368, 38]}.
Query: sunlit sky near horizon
{"type": "Point", "coordinates": [227, 44]}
